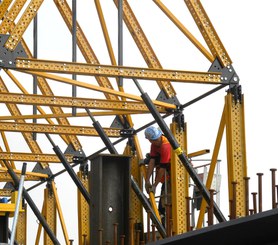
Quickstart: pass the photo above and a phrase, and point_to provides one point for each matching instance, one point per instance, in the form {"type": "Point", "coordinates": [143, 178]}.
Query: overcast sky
{"type": "Point", "coordinates": [248, 30]}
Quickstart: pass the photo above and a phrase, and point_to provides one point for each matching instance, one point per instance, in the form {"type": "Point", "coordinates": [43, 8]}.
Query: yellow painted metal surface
{"type": "Point", "coordinates": [50, 214]}
{"type": "Point", "coordinates": [236, 148]}
{"type": "Point", "coordinates": [179, 184]}
{"type": "Point", "coordinates": [83, 212]}
{"type": "Point", "coordinates": [118, 71]}
{"type": "Point", "coordinates": [206, 28]}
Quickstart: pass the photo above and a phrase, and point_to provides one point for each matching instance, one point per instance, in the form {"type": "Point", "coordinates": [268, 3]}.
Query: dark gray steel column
{"type": "Point", "coordinates": [4, 228]}
{"type": "Point", "coordinates": [109, 180]}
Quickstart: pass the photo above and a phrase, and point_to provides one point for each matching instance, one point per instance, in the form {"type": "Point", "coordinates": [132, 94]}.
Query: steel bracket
{"type": "Point", "coordinates": [228, 74]}
{"type": "Point", "coordinates": [8, 57]}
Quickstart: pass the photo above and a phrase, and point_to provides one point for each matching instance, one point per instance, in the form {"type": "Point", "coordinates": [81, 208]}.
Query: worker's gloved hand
{"type": "Point", "coordinates": [148, 186]}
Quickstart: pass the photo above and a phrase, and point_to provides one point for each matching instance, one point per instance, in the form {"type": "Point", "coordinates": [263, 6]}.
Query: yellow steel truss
{"type": "Point", "coordinates": [15, 21]}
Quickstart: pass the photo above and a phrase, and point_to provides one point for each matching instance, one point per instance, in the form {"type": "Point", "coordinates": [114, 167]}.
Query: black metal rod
{"type": "Point", "coordinates": [180, 154]}
{"type": "Point", "coordinates": [74, 48]}
{"type": "Point", "coordinates": [35, 55]}
{"type": "Point", "coordinates": [32, 205]}
{"type": "Point", "coordinates": [69, 169]}
{"type": "Point", "coordinates": [102, 134]}
{"type": "Point", "coordinates": [154, 121]}
{"type": "Point", "coordinates": [203, 96]}
{"type": "Point", "coordinates": [120, 37]}
{"type": "Point", "coordinates": [51, 177]}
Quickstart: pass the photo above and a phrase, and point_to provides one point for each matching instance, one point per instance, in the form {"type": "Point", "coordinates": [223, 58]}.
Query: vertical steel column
{"type": "Point", "coordinates": [35, 55]}
{"type": "Point", "coordinates": [50, 213]}
{"type": "Point", "coordinates": [236, 151]}
{"type": "Point", "coordinates": [83, 211]}
{"type": "Point", "coordinates": [179, 183]}
{"type": "Point", "coordinates": [110, 192]}
{"type": "Point", "coordinates": [21, 229]}
{"type": "Point", "coordinates": [4, 228]}
{"type": "Point", "coordinates": [74, 48]}
{"type": "Point", "coordinates": [120, 38]}
{"type": "Point", "coordinates": [136, 209]}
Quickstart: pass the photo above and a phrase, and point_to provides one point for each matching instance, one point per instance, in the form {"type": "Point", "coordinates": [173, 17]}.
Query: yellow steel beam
{"type": "Point", "coordinates": [60, 213]}
{"type": "Point", "coordinates": [62, 101]}
{"type": "Point", "coordinates": [117, 71]}
{"type": "Point", "coordinates": [5, 192]}
{"type": "Point", "coordinates": [145, 47]}
{"type": "Point", "coordinates": [212, 168]}
{"type": "Point", "coordinates": [32, 157]}
{"type": "Point", "coordinates": [97, 88]}
{"type": "Point", "coordinates": [206, 28]}
{"type": "Point", "coordinates": [21, 228]}
{"type": "Point", "coordinates": [83, 211]}
{"type": "Point", "coordinates": [22, 24]}
{"type": "Point", "coordinates": [83, 44]}
{"type": "Point", "coordinates": [198, 153]}
{"type": "Point", "coordinates": [105, 33]}
{"type": "Point", "coordinates": [8, 21]}
{"type": "Point", "coordinates": [236, 151]}
{"type": "Point", "coordinates": [32, 174]}
{"type": "Point", "coordinates": [56, 129]}
{"type": "Point", "coordinates": [179, 183]}
{"type": "Point", "coordinates": [7, 147]}
{"type": "Point", "coordinates": [4, 5]}
{"type": "Point", "coordinates": [135, 205]}
{"type": "Point", "coordinates": [50, 213]}
{"type": "Point", "coordinates": [45, 88]}
{"type": "Point", "coordinates": [10, 207]}
{"type": "Point", "coordinates": [5, 176]}
{"type": "Point", "coordinates": [67, 115]}
{"type": "Point", "coordinates": [38, 236]}
{"type": "Point", "coordinates": [183, 29]}
{"type": "Point", "coordinates": [33, 145]}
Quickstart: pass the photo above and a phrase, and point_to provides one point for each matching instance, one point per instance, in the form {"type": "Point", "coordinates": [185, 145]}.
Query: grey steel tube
{"type": "Point", "coordinates": [246, 181]}
{"type": "Point", "coordinates": [254, 194]}
{"type": "Point", "coordinates": [273, 170]}
{"type": "Point", "coordinates": [260, 192]}
{"type": "Point", "coordinates": [19, 194]}
{"type": "Point", "coordinates": [35, 55]}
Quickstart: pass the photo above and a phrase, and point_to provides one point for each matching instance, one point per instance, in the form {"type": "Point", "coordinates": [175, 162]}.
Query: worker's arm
{"type": "Point", "coordinates": [159, 175]}
{"type": "Point", "coordinates": [149, 173]}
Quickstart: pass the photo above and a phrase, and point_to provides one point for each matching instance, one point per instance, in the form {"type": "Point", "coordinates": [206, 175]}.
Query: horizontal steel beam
{"type": "Point", "coordinates": [56, 129]}
{"type": "Point", "coordinates": [117, 71]}
{"type": "Point", "coordinates": [32, 157]}
{"type": "Point", "coordinates": [62, 101]}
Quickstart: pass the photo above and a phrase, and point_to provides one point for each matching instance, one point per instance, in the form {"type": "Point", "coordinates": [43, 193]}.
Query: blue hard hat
{"type": "Point", "coordinates": [152, 133]}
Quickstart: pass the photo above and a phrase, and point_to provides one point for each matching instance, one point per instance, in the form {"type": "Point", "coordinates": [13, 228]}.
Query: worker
{"type": "Point", "coordinates": [159, 159]}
